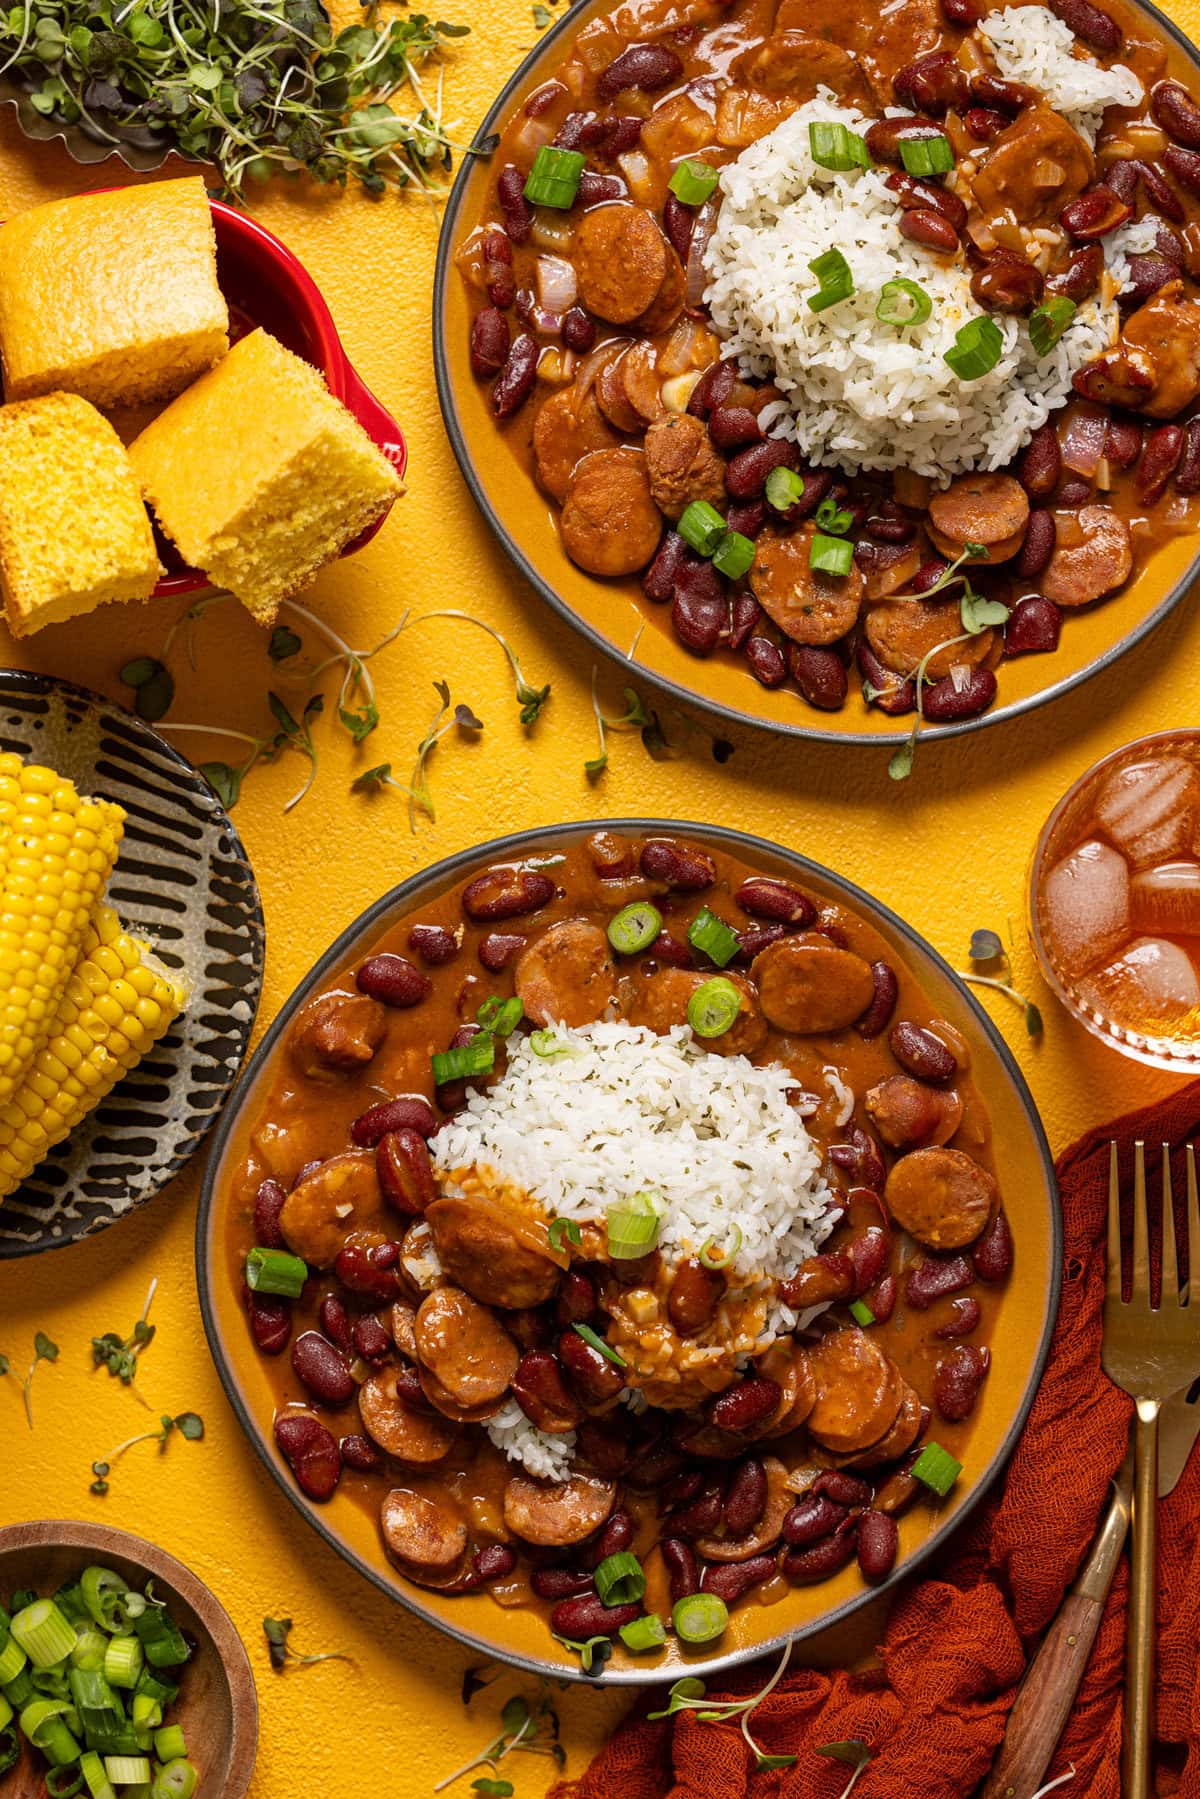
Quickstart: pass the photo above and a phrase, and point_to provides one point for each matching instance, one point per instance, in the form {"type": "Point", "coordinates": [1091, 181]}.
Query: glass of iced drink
{"type": "Point", "coordinates": [1115, 900]}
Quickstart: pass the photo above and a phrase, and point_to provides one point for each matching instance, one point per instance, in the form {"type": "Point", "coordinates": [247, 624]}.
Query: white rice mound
{"type": "Point", "coordinates": [630, 1111]}
{"type": "Point", "coordinates": [544, 1456]}
{"type": "Point", "coordinates": [1031, 45]}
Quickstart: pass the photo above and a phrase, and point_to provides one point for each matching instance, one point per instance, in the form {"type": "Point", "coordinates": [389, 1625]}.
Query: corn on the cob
{"type": "Point", "coordinates": [117, 1004]}
{"type": "Point", "coordinates": [56, 853]}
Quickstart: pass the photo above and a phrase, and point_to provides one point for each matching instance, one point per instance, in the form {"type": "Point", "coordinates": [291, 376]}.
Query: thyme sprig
{"type": "Point", "coordinates": [689, 1695]}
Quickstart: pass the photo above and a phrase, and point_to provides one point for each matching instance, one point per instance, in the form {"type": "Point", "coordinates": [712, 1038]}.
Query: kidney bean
{"type": "Point", "coordinates": [518, 214]}
{"type": "Point", "coordinates": [878, 1014]}
{"type": "Point", "coordinates": [992, 1255]}
{"type": "Point", "coordinates": [322, 1369]}
{"type": "Point", "coordinates": [409, 1388]}
{"type": "Point", "coordinates": [1006, 96]}
{"type": "Point", "coordinates": [928, 196]}
{"type": "Point", "coordinates": [890, 693]}
{"type": "Point", "coordinates": [932, 83]}
{"type": "Point", "coordinates": [694, 1295]}
{"type": "Point", "coordinates": [561, 1583]}
{"type": "Point", "coordinates": [604, 1444]}
{"type": "Point", "coordinates": [514, 384]}
{"type": "Point", "coordinates": [765, 897]}
{"type": "Point", "coordinates": [746, 1498]}
{"type": "Point", "coordinates": [965, 1313]}
{"type": "Point", "coordinates": [921, 1053]}
{"type": "Point", "coordinates": [930, 230]}
{"type": "Point", "coordinates": [731, 426]}
{"type": "Point", "coordinates": [679, 1559]}
{"type": "Point", "coordinates": [882, 1299]}
{"type": "Point", "coordinates": [616, 1535]}
{"type": "Point", "coordinates": [371, 1340]}
{"type": "Point", "coordinates": [1123, 443]}
{"type": "Point", "coordinates": [269, 1202]}
{"type": "Point", "coordinates": [670, 950]}
{"type": "Point", "coordinates": [541, 1392]}
{"type": "Point", "coordinates": [819, 1279]}
{"type": "Point", "coordinates": [1187, 475]}
{"type": "Point", "coordinates": [494, 1561]}
{"type": "Point", "coordinates": [803, 1566]}
{"type": "Point", "coordinates": [1146, 275]}
{"type": "Point", "coordinates": [1073, 494]}
{"type": "Point", "coordinates": [595, 1377]}
{"type": "Point", "coordinates": [934, 1278]}
{"type": "Point", "coordinates": [1036, 551]}
{"type": "Point", "coordinates": [1158, 190]}
{"type": "Point", "coordinates": [658, 582]}
{"type": "Point", "coordinates": [885, 135]}
{"type": "Point", "coordinates": [335, 1322]}
{"type": "Point", "coordinates": [1184, 165]}
{"type": "Point", "coordinates": [679, 222]}
{"type": "Point", "coordinates": [878, 1542]}
{"type": "Point", "coordinates": [312, 1453]}
{"type": "Point", "coordinates": [745, 616]}
{"type": "Point", "coordinates": [731, 1581]}
{"type": "Point", "coordinates": [647, 67]}
{"type": "Point", "coordinates": [498, 948]}
{"type": "Point", "coordinates": [1121, 176]}
{"type": "Point", "coordinates": [1095, 213]}
{"type": "Point", "coordinates": [1033, 627]}
{"type": "Point", "coordinates": [983, 123]}
{"type": "Point", "coordinates": [578, 330]}
{"type": "Point", "coordinates": [595, 188]}
{"type": "Point", "coordinates": [405, 1173]}
{"type": "Point", "coordinates": [298, 1432]}
{"type": "Point", "coordinates": [680, 1490]}
{"type": "Point", "coordinates": [748, 518]}
{"type": "Point", "coordinates": [963, 12]}
{"type": "Point", "coordinates": [957, 1381]}
{"type": "Point", "coordinates": [701, 1515]}
{"type": "Point", "coordinates": [897, 1493]}
{"type": "Point", "coordinates": [699, 617]}
{"type": "Point", "coordinates": [746, 1405]}
{"type": "Point", "coordinates": [490, 339]}
{"type": "Point", "coordinates": [1089, 23]}
{"type": "Point", "coordinates": [755, 940]}
{"type": "Point", "coordinates": [869, 1257]}
{"type": "Point", "coordinates": [820, 674]}
{"type": "Point", "coordinates": [859, 1157]}
{"type": "Point", "coordinates": [433, 943]}
{"type": "Point", "coordinates": [1041, 463]}
{"type": "Point", "coordinates": [506, 893]}
{"type": "Point", "coordinates": [766, 662]}
{"type": "Point", "coordinates": [1080, 276]}
{"type": "Point", "coordinates": [361, 1271]}
{"type": "Point", "coordinates": [684, 869]}
{"type": "Point", "coordinates": [885, 529]}
{"type": "Point", "coordinates": [1164, 447]}
{"type": "Point", "coordinates": [394, 980]}
{"type": "Point", "coordinates": [407, 1112]}
{"type": "Point", "coordinates": [270, 1322]}
{"type": "Point", "coordinates": [581, 130]}
{"type": "Point", "coordinates": [360, 1453]}
{"type": "Point", "coordinates": [945, 703]}
{"type": "Point", "coordinates": [713, 388]}
{"type": "Point", "coordinates": [844, 1489]}
{"type": "Point", "coordinates": [1174, 109]}
{"type": "Point", "coordinates": [575, 1301]}
{"type": "Point", "coordinates": [746, 472]}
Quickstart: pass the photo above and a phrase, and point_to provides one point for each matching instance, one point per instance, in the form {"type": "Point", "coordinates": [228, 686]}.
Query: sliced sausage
{"type": "Point", "coordinates": [990, 510]}
{"type": "Point", "coordinates": [904, 1432]}
{"type": "Point", "coordinates": [620, 258]}
{"type": "Point", "coordinates": [465, 1346]}
{"type": "Point", "coordinates": [780, 1500]}
{"type": "Point", "coordinates": [810, 606]}
{"type": "Point", "coordinates": [337, 1200]}
{"type": "Point", "coordinates": [794, 64]}
{"type": "Point", "coordinates": [497, 1259]}
{"type": "Point", "coordinates": [1093, 554]}
{"type": "Point", "coordinates": [859, 1391]}
{"type": "Point", "coordinates": [610, 524]}
{"type": "Point", "coordinates": [336, 1034]}
{"type": "Point", "coordinates": [667, 304]}
{"type": "Point", "coordinates": [1167, 328]}
{"type": "Point", "coordinates": [909, 1114]}
{"type": "Point", "coordinates": [566, 976]}
{"type": "Point", "coordinates": [903, 632]}
{"type": "Point", "coordinates": [682, 464]}
{"type": "Point", "coordinates": [787, 1364]}
{"type": "Point", "coordinates": [413, 1436]}
{"type": "Point", "coordinates": [1034, 168]}
{"type": "Point", "coordinates": [642, 382]}
{"type": "Point", "coordinates": [568, 427]}
{"type": "Point", "coordinates": [403, 1321]}
{"type": "Point", "coordinates": [427, 1532]}
{"type": "Point", "coordinates": [810, 987]}
{"type": "Point", "coordinates": [443, 1401]}
{"type": "Point", "coordinates": [559, 1512]}
{"type": "Point", "coordinates": [940, 1197]}
{"type": "Point", "coordinates": [661, 1000]}
{"type": "Point", "coordinates": [611, 396]}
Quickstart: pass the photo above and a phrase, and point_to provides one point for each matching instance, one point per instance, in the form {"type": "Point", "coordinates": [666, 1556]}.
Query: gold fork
{"type": "Point", "coordinates": [1149, 1352]}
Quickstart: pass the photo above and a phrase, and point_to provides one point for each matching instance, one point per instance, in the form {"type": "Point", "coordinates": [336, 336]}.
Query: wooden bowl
{"type": "Point", "coordinates": [217, 1707]}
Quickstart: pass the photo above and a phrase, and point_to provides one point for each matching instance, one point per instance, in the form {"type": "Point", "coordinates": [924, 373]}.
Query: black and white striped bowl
{"type": "Point", "coordinates": [183, 883]}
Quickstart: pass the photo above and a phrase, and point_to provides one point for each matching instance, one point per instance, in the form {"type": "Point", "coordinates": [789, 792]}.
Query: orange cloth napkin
{"type": "Point", "coordinates": [934, 1712]}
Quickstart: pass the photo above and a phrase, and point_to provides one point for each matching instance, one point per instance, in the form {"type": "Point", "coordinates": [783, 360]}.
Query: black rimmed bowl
{"type": "Point", "coordinates": [1019, 1346]}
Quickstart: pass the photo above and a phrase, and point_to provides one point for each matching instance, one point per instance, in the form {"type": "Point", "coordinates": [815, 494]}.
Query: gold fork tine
{"type": "Point", "coordinates": [1169, 1293]}
{"type": "Point", "coordinates": [1114, 1227]}
{"type": "Point", "coordinates": [1193, 1216]}
{"type": "Point", "coordinates": [1140, 1290]}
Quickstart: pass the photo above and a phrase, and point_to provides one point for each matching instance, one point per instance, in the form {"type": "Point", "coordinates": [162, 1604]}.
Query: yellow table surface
{"type": "Point", "coordinates": [949, 850]}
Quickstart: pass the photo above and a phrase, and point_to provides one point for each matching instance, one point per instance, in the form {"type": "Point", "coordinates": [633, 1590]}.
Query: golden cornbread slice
{"type": "Point", "coordinates": [259, 476]}
{"type": "Point", "coordinates": [113, 296]}
{"type": "Point", "coordinates": [73, 530]}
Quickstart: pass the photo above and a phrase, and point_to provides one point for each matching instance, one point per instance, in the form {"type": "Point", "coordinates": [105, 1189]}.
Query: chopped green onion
{"type": "Point", "coordinates": [861, 1313]}
{"type": "Point", "coordinates": [713, 1257]}
{"type": "Point", "coordinates": [834, 280]}
{"type": "Point", "coordinates": [978, 346]}
{"type": "Point", "coordinates": [12, 1660]}
{"type": "Point", "coordinates": [563, 1227]}
{"type": "Point", "coordinates": [127, 1770]}
{"type": "Point", "coordinates": [595, 1341]}
{"type": "Point", "coordinates": [275, 1271]}
{"type": "Point", "coordinates": [549, 1045]}
{"type": "Point", "coordinates": [733, 555]}
{"type": "Point", "coordinates": [699, 1618]}
{"type": "Point", "coordinates": [63, 1783]}
{"type": "Point", "coordinates": [634, 927]}
{"type": "Point", "coordinates": [713, 1007]}
{"type": "Point", "coordinates": [170, 1743]}
{"type": "Point", "coordinates": [106, 1596]}
{"type": "Point", "coordinates": [783, 488]}
{"type": "Point", "coordinates": [500, 1016]}
{"type": "Point", "coordinates": [645, 1633]}
{"type": "Point", "coordinates": [90, 1645]}
{"type": "Point", "coordinates": [633, 1226]}
{"type": "Point", "coordinates": [713, 936]}
{"type": "Point", "coordinates": [145, 1713]}
{"type": "Point", "coordinates": [43, 1633]}
{"type": "Point", "coordinates": [161, 1640]}
{"type": "Point", "coordinates": [42, 1723]}
{"type": "Point", "coordinates": [619, 1579]}
{"type": "Point", "coordinates": [6, 1716]}
{"type": "Point", "coordinates": [19, 1690]}
{"type": "Point", "coordinates": [903, 302]}
{"type": "Point", "coordinates": [1048, 321]}
{"type": "Point", "coordinates": [830, 555]}
{"type": "Point", "coordinates": [936, 1469]}
{"type": "Point", "coordinates": [833, 518]}
{"type": "Point", "coordinates": [702, 527]}
{"type": "Point", "coordinates": [476, 1057]}
{"type": "Point", "coordinates": [98, 1783]}
{"type": "Point", "coordinates": [834, 147]}
{"type": "Point", "coordinates": [693, 181]}
{"type": "Point", "coordinates": [554, 178]}
{"type": "Point", "coordinates": [176, 1781]}
{"type": "Point", "coordinates": [930, 155]}
{"type": "Point", "coordinates": [100, 1710]}
{"type": "Point", "coordinates": [123, 1662]}
{"type": "Point", "coordinates": [163, 1690]}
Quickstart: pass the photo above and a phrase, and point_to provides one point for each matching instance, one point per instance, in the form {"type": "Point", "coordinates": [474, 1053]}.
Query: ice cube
{"type": "Point", "coordinates": [1151, 809]}
{"type": "Point", "coordinates": [1152, 986]}
{"type": "Point", "coordinates": [1167, 898]}
{"type": "Point", "coordinates": [1085, 907]}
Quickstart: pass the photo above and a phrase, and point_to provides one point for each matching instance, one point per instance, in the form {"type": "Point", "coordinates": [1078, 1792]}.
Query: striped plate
{"type": "Point", "coordinates": [183, 883]}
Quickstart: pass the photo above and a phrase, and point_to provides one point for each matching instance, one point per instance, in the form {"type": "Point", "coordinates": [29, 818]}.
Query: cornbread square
{"type": "Point", "coordinates": [259, 476]}
{"type": "Point", "coordinates": [73, 530]}
{"type": "Point", "coordinates": [113, 296]}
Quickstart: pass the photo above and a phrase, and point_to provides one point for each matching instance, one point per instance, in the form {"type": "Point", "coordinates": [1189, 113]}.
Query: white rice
{"type": "Point", "coordinates": [545, 1457]}
{"type": "Point", "coordinates": [1033, 46]}
{"type": "Point", "coordinates": [861, 394]}
{"type": "Point", "coordinates": [627, 1111]}
{"type": "Point", "coordinates": [1133, 239]}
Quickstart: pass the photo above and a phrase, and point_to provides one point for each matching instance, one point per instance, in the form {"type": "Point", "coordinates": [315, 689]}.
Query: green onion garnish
{"type": "Point", "coordinates": [733, 555]}
{"type": "Point", "coordinates": [699, 1618]}
{"type": "Point", "coordinates": [549, 1045]}
{"type": "Point", "coordinates": [170, 1743]}
{"type": "Point", "coordinates": [123, 1659]}
{"type": "Point", "coordinates": [712, 1256]}
{"type": "Point", "coordinates": [634, 927]}
{"type": "Point", "coordinates": [162, 1642]}
{"type": "Point", "coordinates": [693, 181]}
{"type": "Point", "coordinates": [783, 488]}
{"type": "Point", "coordinates": [177, 1780]}
{"type": "Point", "coordinates": [275, 1271]}
{"type": "Point", "coordinates": [92, 1769]}
{"type": "Point", "coordinates": [563, 1227]}
{"type": "Point", "coordinates": [620, 1580]}
{"type": "Point", "coordinates": [835, 147]}
{"type": "Point", "coordinates": [43, 1633]}
{"type": "Point", "coordinates": [645, 1633]}
{"type": "Point", "coordinates": [127, 1770]}
{"type": "Point", "coordinates": [903, 302]}
{"type": "Point", "coordinates": [936, 1469]}
{"type": "Point", "coordinates": [835, 282]}
{"type": "Point", "coordinates": [595, 1341]}
{"type": "Point", "coordinates": [713, 1007]}
{"type": "Point", "coordinates": [831, 555]}
{"type": "Point", "coordinates": [833, 518]}
{"type": "Point", "coordinates": [633, 1226]}
{"type": "Point", "coordinates": [554, 177]}
{"type": "Point", "coordinates": [861, 1313]}
{"type": "Point", "coordinates": [476, 1057]}
{"type": "Point", "coordinates": [978, 346]}
{"type": "Point", "coordinates": [713, 936]}
{"type": "Point", "coordinates": [12, 1660]}
{"type": "Point", "coordinates": [927, 155]}
{"type": "Point", "coordinates": [1048, 321]}
{"type": "Point", "coordinates": [500, 1016]}
{"type": "Point", "coordinates": [702, 527]}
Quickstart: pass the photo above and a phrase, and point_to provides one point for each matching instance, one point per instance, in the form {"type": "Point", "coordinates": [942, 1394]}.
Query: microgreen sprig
{"type": "Point", "coordinates": [688, 1695]}
{"type": "Point", "coordinates": [190, 1426]}
{"type": "Point", "coordinates": [530, 1726]}
{"type": "Point", "coordinates": [444, 719]}
{"type": "Point", "coordinates": [530, 699]}
{"type": "Point", "coordinates": [853, 1752]}
{"type": "Point", "coordinates": [362, 719]}
{"type": "Point", "coordinates": [976, 614]}
{"type": "Point", "coordinates": [635, 717]}
{"type": "Point", "coordinates": [277, 1632]}
{"type": "Point", "coordinates": [120, 1354]}
{"type": "Point", "coordinates": [43, 1351]}
{"type": "Point", "coordinates": [226, 778]}
{"type": "Point", "coordinates": [986, 949]}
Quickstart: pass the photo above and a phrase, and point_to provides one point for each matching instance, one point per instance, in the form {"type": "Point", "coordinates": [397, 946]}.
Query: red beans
{"type": "Point", "coordinates": [820, 674]}
{"type": "Point", "coordinates": [359, 1453]}
{"type": "Point", "coordinates": [746, 1498]}
{"type": "Point", "coordinates": [514, 384]}
{"type": "Point", "coordinates": [694, 1295]}
{"type": "Point", "coordinates": [699, 614]}
{"type": "Point", "coordinates": [494, 1561]}
{"type": "Point", "coordinates": [764, 897]}
{"type": "Point", "coordinates": [670, 950]}
{"type": "Point", "coordinates": [1164, 447]}
{"type": "Point", "coordinates": [679, 1559]}
{"type": "Point", "coordinates": [746, 473]}
{"type": "Point", "coordinates": [617, 1535]}
{"type": "Point", "coordinates": [921, 1053]}
{"type": "Point", "coordinates": [1037, 547]}
{"type": "Point", "coordinates": [731, 1581]}
{"type": "Point", "coordinates": [878, 1014]}
{"type": "Point", "coordinates": [934, 1278]}
{"type": "Point", "coordinates": [311, 1451]}
{"type": "Point", "coordinates": [815, 1516]}
{"type": "Point", "coordinates": [684, 869]}
{"type": "Point", "coordinates": [731, 426]}
{"type": "Point", "coordinates": [1184, 165]}
{"type": "Point", "coordinates": [578, 330]}
{"type": "Point", "coordinates": [869, 1257]}
{"type": "Point", "coordinates": [1007, 96]}
{"type": "Point", "coordinates": [1187, 475]}
{"type": "Point", "coordinates": [518, 214]}
{"type": "Point", "coordinates": [945, 704]}
{"type": "Point", "coordinates": [963, 12]}
{"type": "Point", "coordinates": [365, 1272]}
{"type": "Point", "coordinates": [1095, 213]}
{"type": "Point", "coordinates": [594, 188]}
{"type": "Point", "coordinates": [883, 1300]}
{"type": "Point", "coordinates": [322, 1369]}
{"type": "Point", "coordinates": [595, 1378]}
{"type": "Point", "coordinates": [992, 1255]}
{"type": "Point", "coordinates": [928, 196]}
{"type": "Point", "coordinates": [1159, 192]}
{"type": "Point", "coordinates": [541, 1392]}
{"type": "Point", "coordinates": [1080, 277]}
{"type": "Point", "coordinates": [766, 662]}
{"type": "Point", "coordinates": [270, 1322]}
{"type": "Point", "coordinates": [983, 124]}
{"type": "Point", "coordinates": [371, 1340]}
{"type": "Point", "coordinates": [269, 1202]}
{"type": "Point", "coordinates": [843, 1489]}
{"type": "Point", "coordinates": [859, 1157]}
{"type": "Point", "coordinates": [713, 388]}
{"type": "Point", "coordinates": [647, 67]}
{"type": "Point", "coordinates": [930, 230]}
{"type": "Point", "coordinates": [748, 518]}
{"type": "Point", "coordinates": [885, 135]}
{"type": "Point", "coordinates": [498, 948]}
{"type": "Point", "coordinates": [561, 1583]}
{"type": "Point", "coordinates": [671, 557]}
{"type": "Point", "coordinates": [679, 222]}
{"type": "Point", "coordinates": [1041, 463]}
{"type": "Point", "coordinates": [335, 1322]}
{"type": "Point", "coordinates": [957, 1381]}
{"type": "Point", "coordinates": [746, 1405]}
{"type": "Point", "coordinates": [588, 1616]}
{"type": "Point", "coordinates": [1074, 493]}
{"type": "Point", "coordinates": [1146, 275]}
{"type": "Point", "coordinates": [701, 1516]}
{"type": "Point", "coordinates": [1033, 627]}
{"type": "Point", "coordinates": [889, 693]}
{"type": "Point", "coordinates": [433, 943]}
{"type": "Point", "coordinates": [405, 1173]}
{"type": "Point", "coordinates": [575, 1302]}
{"type": "Point", "coordinates": [1089, 23]}
{"type": "Point", "coordinates": [507, 893]}
{"type": "Point", "coordinates": [490, 339]}
{"type": "Point", "coordinates": [932, 83]}
{"type": "Point", "coordinates": [1174, 109]}
{"type": "Point", "coordinates": [803, 1566]}
{"type": "Point", "coordinates": [408, 1111]}
{"type": "Point", "coordinates": [965, 1313]}
{"type": "Point", "coordinates": [394, 980]}
{"type": "Point", "coordinates": [878, 1542]}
